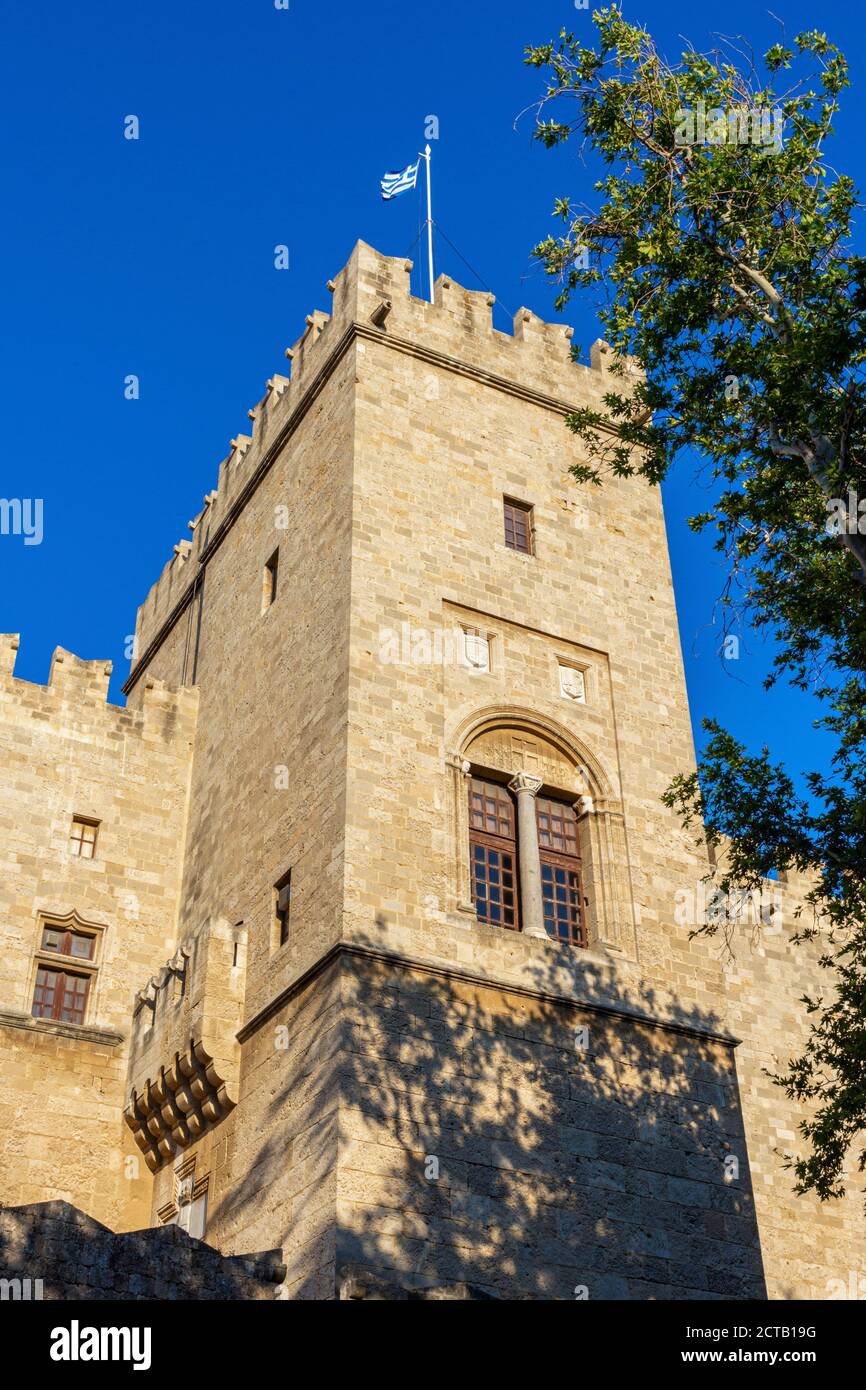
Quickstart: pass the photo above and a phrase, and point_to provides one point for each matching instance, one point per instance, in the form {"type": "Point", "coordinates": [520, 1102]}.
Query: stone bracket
{"type": "Point", "coordinates": [170, 1113]}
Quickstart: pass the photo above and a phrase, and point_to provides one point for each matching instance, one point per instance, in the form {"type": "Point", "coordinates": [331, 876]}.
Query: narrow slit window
{"type": "Point", "coordinates": [269, 582]}
{"type": "Point", "coordinates": [283, 896]}
{"type": "Point", "coordinates": [518, 526]}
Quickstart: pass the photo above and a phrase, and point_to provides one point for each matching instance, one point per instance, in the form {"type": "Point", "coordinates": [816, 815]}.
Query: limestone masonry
{"type": "Point", "coordinates": [358, 942]}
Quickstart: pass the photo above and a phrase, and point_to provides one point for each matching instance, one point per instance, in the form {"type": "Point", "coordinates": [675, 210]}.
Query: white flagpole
{"type": "Point", "coordinates": [429, 223]}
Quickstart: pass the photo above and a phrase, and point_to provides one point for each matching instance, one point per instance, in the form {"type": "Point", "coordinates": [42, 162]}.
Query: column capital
{"type": "Point", "coordinates": [458, 763]}
{"type": "Point", "coordinates": [531, 903]}
{"type": "Point", "coordinates": [525, 782]}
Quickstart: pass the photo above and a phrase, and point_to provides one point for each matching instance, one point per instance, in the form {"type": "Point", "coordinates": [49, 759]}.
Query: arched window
{"type": "Point", "coordinates": [539, 842]}
{"type": "Point", "coordinates": [494, 862]}
{"type": "Point", "coordinates": [561, 875]}
{"type": "Point", "coordinates": [493, 854]}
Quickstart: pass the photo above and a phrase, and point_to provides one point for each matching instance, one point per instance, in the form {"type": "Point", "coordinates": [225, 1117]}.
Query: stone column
{"type": "Point", "coordinates": [460, 774]}
{"type": "Point", "coordinates": [607, 880]}
{"type": "Point", "coordinates": [526, 788]}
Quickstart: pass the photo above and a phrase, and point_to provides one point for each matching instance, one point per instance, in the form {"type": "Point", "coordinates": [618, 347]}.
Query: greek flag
{"type": "Point", "coordinates": [392, 184]}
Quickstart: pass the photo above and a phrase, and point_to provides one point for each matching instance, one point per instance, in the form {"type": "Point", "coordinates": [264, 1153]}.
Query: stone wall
{"type": "Point", "coordinates": [812, 1249]}
{"type": "Point", "coordinates": [64, 752]}
{"type": "Point", "coordinates": [533, 1148]}
{"type": "Point", "coordinates": [268, 779]}
{"type": "Point", "coordinates": [75, 1257]}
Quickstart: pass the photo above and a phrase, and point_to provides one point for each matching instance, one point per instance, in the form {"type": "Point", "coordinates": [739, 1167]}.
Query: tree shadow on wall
{"type": "Point", "coordinates": [500, 1143]}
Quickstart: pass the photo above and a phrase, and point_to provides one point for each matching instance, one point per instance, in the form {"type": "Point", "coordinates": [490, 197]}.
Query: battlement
{"type": "Point", "coordinates": [81, 688]}
{"type": "Point", "coordinates": [370, 301]}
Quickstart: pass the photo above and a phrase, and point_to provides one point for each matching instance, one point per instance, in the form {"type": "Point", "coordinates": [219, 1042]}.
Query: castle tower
{"type": "Point", "coordinates": [431, 1019]}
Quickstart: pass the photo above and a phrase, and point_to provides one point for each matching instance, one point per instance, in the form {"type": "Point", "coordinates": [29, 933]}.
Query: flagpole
{"type": "Point", "coordinates": [427, 153]}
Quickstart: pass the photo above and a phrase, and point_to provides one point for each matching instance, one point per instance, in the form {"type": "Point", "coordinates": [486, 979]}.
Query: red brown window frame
{"type": "Point", "coordinates": [563, 903]}
{"type": "Point", "coordinates": [62, 999]}
{"type": "Point", "coordinates": [489, 856]}
{"type": "Point", "coordinates": [561, 872]}
{"type": "Point", "coordinates": [67, 935]}
{"type": "Point", "coordinates": [517, 517]}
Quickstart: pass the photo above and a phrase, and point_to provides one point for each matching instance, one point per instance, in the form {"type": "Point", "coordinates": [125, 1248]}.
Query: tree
{"type": "Point", "coordinates": [720, 251]}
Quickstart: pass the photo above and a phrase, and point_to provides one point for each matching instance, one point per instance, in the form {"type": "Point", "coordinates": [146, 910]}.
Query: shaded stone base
{"type": "Point", "coordinates": [359, 1283]}
{"type": "Point", "coordinates": [76, 1257]}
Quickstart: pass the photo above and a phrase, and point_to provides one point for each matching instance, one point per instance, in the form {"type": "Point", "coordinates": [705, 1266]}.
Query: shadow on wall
{"type": "Point", "coordinates": [458, 1140]}
{"type": "Point", "coordinates": [52, 1250]}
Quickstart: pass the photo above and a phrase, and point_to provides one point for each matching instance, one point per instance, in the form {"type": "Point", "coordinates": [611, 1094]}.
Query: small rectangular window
{"type": "Point", "coordinates": [283, 899]}
{"type": "Point", "coordinates": [193, 1218]}
{"type": "Point", "coordinates": [189, 1209]}
{"type": "Point", "coordinates": [269, 581]}
{"type": "Point", "coordinates": [82, 840]}
{"type": "Point", "coordinates": [518, 526]}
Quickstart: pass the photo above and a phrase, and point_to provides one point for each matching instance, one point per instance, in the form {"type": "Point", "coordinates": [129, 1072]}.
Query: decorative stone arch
{"type": "Point", "coordinates": [557, 748]}
{"type": "Point", "coordinates": [72, 920]}
{"type": "Point", "coordinates": [536, 752]}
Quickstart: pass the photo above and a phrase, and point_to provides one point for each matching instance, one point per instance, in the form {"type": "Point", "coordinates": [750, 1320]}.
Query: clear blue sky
{"type": "Point", "coordinates": [261, 126]}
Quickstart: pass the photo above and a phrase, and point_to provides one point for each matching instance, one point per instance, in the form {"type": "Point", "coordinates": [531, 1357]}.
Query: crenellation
{"type": "Point", "coordinates": [276, 386]}
{"type": "Point", "coordinates": [169, 711]}
{"type": "Point", "coordinates": [373, 291]}
{"type": "Point", "coordinates": [470, 311]}
{"type": "Point", "coordinates": [9, 643]}
{"type": "Point", "coordinates": [267, 413]}
{"type": "Point", "coordinates": [77, 691]}
{"type": "Point", "coordinates": [184, 1051]}
{"type": "Point", "coordinates": [235, 469]}
{"type": "Point", "coordinates": [156, 604]}
{"type": "Point", "coordinates": [309, 350]}
{"type": "Point", "coordinates": [76, 680]}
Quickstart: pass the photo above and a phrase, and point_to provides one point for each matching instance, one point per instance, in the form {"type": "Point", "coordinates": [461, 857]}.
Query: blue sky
{"type": "Point", "coordinates": [258, 127]}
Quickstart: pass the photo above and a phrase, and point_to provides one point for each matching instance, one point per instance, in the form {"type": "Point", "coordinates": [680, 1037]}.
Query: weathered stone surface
{"type": "Point", "coordinates": [74, 1257]}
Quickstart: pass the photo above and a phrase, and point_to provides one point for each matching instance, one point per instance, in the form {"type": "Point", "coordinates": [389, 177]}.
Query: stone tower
{"type": "Point", "coordinates": [428, 1017]}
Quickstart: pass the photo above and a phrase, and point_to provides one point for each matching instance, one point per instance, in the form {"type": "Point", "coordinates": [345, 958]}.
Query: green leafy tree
{"type": "Point", "coordinates": [719, 253]}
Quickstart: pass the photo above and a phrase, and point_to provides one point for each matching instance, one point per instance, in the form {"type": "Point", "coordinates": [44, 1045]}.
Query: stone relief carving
{"type": "Point", "coordinates": [572, 683]}
{"type": "Point", "coordinates": [513, 750]}
{"type": "Point", "coordinates": [475, 650]}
